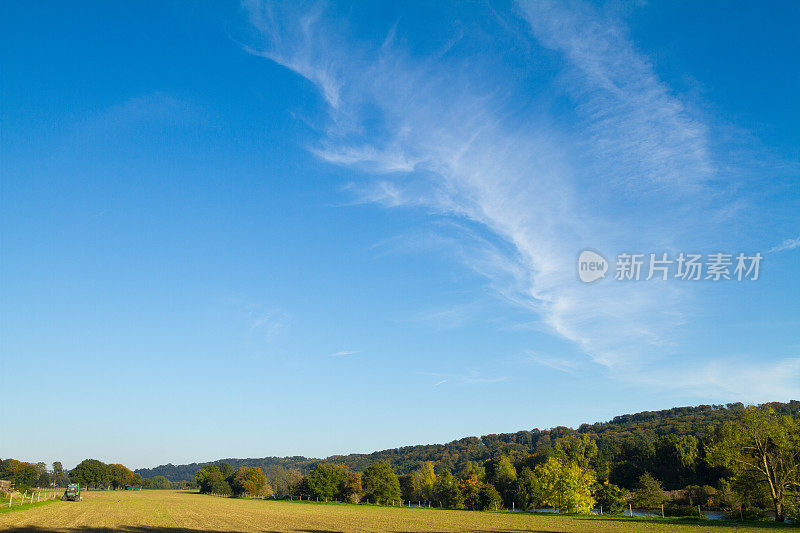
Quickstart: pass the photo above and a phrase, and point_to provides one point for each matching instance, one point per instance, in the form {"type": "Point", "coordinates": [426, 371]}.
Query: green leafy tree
{"type": "Point", "coordinates": [502, 474]}
{"type": "Point", "coordinates": [22, 474]}
{"type": "Point", "coordinates": [422, 480]}
{"type": "Point", "coordinates": [226, 470]}
{"type": "Point", "coordinates": [488, 498]}
{"type": "Point", "coordinates": [472, 468]}
{"type": "Point", "coordinates": [28, 476]}
{"type": "Point", "coordinates": [380, 483]}
{"type": "Point", "coordinates": [447, 492]}
{"type": "Point", "coordinates": [301, 489]}
{"type": "Point", "coordinates": [527, 488]}
{"type": "Point", "coordinates": [610, 498]}
{"type": "Point", "coordinates": [635, 457]}
{"type": "Point", "coordinates": [214, 479]}
{"type": "Point", "coordinates": [727, 497]}
{"type": "Point", "coordinates": [326, 481]}
{"type": "Point", "coordinates": [218, 484]}
{"type": "Point", "coordinates": [578, 449]}
{"type": "Point", "coordinates": [202, 478]}
{"type": "Point", "coordinates": [675, 459]}
{"type": "Point", "coordinates": [58, 474]}
{"type": "Point", "coordinates": [162, 483]}
{"type": "Point", "coordinates": [90, 473]}
{"type": "Point", "coordinates": [648, 494]}
{"type": "Point", "coordinates": [565, 486]}
{"type": "Point", "coordinates": [764, 447]}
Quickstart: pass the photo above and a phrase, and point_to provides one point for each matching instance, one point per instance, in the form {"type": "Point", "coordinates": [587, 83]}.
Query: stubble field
{"type": "Point", "coordinates": [188, 512]}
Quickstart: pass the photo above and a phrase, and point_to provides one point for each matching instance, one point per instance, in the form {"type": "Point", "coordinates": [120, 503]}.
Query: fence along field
{"type": "Point", "coordinates": [189, 512]}
{"type": "Point", "coordinates": [19, 499]}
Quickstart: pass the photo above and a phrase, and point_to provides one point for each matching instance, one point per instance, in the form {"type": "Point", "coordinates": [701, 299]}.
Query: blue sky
{"type": "Point", "coordinates": [241, 230]}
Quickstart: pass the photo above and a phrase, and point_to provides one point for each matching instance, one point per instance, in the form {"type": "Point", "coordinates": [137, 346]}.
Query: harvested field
{"type": "Point", "coordinates": [188, 512]}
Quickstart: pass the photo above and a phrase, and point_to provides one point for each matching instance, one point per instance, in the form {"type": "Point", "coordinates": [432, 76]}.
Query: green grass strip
{"type": "Point", "coordinates": [25, 506]}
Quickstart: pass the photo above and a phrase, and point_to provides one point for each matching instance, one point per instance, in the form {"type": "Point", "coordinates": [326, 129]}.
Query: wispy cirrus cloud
{"type": "Point", "coordinates": [638, 131]}
{"type": "Point", "coordinates": [158, 108]}
{"type": "Point", "coordinates": [622, 173]}
{"type": "Point", "coordinates": [743, 377]}
{"type": "Point", "coordinates": [471, 377]}
{"type": "Point", "coordinates": [263, 323]}
{"type": "Point", "coordinates": [344, 353]}
{"type": "Point", "coordinates": [788, 244]}
{"type": "Point", "coordinates": [556, 363]}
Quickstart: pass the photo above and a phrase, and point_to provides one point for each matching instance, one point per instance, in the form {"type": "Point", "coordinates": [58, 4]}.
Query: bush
{"type": "Point", "coordinates": [753, 513]}
{"type": "Point", "coordinates": [680, 510]}
{"type": "Point", "coordinates": [698, 495]}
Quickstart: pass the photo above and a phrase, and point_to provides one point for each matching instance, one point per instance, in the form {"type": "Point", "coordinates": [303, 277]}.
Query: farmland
{"type": "Point", "coordinates": [188, 512]}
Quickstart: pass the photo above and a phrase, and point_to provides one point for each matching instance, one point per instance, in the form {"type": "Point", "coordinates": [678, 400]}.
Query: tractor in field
{"type": "Point", "coordinates": [72, 494]}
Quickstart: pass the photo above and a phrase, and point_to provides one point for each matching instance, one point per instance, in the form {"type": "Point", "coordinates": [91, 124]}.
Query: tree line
{"type": "Point", "coordinates": [90, 473]}
{"type": "Point", "coordinates": [745, 460]}
{"type": "Point", "coordinates": [628, 446]}
{"type": "Point", "coordinates": [26, 475]}
{"type": "Point", "coordinates": [96, 474]}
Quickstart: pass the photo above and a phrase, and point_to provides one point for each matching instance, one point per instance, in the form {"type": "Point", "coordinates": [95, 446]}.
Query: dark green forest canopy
{"type": "Point", "coordinates": [613, 438]}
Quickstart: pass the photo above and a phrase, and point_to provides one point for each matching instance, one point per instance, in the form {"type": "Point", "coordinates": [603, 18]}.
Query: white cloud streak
{"type": "Point", "coordinates": [788, 244]}
{"type": "Point", "coordinates": [555, 363]}
{"type": "Point", "coordinates": [344, 353]}
{"type": "Point", "coordinates": [536, 192]}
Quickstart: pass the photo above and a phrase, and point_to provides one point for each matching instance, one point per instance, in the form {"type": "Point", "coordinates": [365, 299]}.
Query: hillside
{"type": "Point", "coordinates": [626, 430]}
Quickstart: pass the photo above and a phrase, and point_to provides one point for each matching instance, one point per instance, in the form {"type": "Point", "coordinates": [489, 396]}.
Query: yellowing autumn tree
{"type": "Point", "coordinates": [422, 481]}
{"type": "Point", "coordinates": [565, 486]}
{"type": "Point", "coordinates": [250, 480]}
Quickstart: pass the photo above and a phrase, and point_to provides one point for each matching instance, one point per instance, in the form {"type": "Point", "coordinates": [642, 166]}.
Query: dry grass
{"type": "Point", "coordinates": [185, 512]}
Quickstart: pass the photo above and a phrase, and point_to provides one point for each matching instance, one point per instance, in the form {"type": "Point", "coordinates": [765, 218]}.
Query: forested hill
{"type": "Point", "coordinates": [638, 430]}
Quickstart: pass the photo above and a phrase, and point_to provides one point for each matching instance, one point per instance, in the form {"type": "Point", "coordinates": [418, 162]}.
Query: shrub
{"type": "Point", "coordinates": [611, 498]}
{"type": "Point", "coordinates": [680, 510]}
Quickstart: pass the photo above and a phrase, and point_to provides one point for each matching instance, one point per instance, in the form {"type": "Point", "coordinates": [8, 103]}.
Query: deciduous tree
{"type": "Point", "coordinates": [764, 446]}
{"type": "Point", "coordinates": [249, 480]}
{"type": "Point", "coordinates": [58, 474]}
{"type": "Point", "coordinates": [380, 483]}
{"type": "Point", "coordinates": [90, 473]}
{"type": "Point", "coordinates": [326, 481]}
{"type": "Point", "coordinates": [565, 486]}
{"type": "Point", "coordinates": [610, 498]}
{"type": "Point", "coordinates": [648, 494]}
{"type": "Point", "coordinates": [447, 492]}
